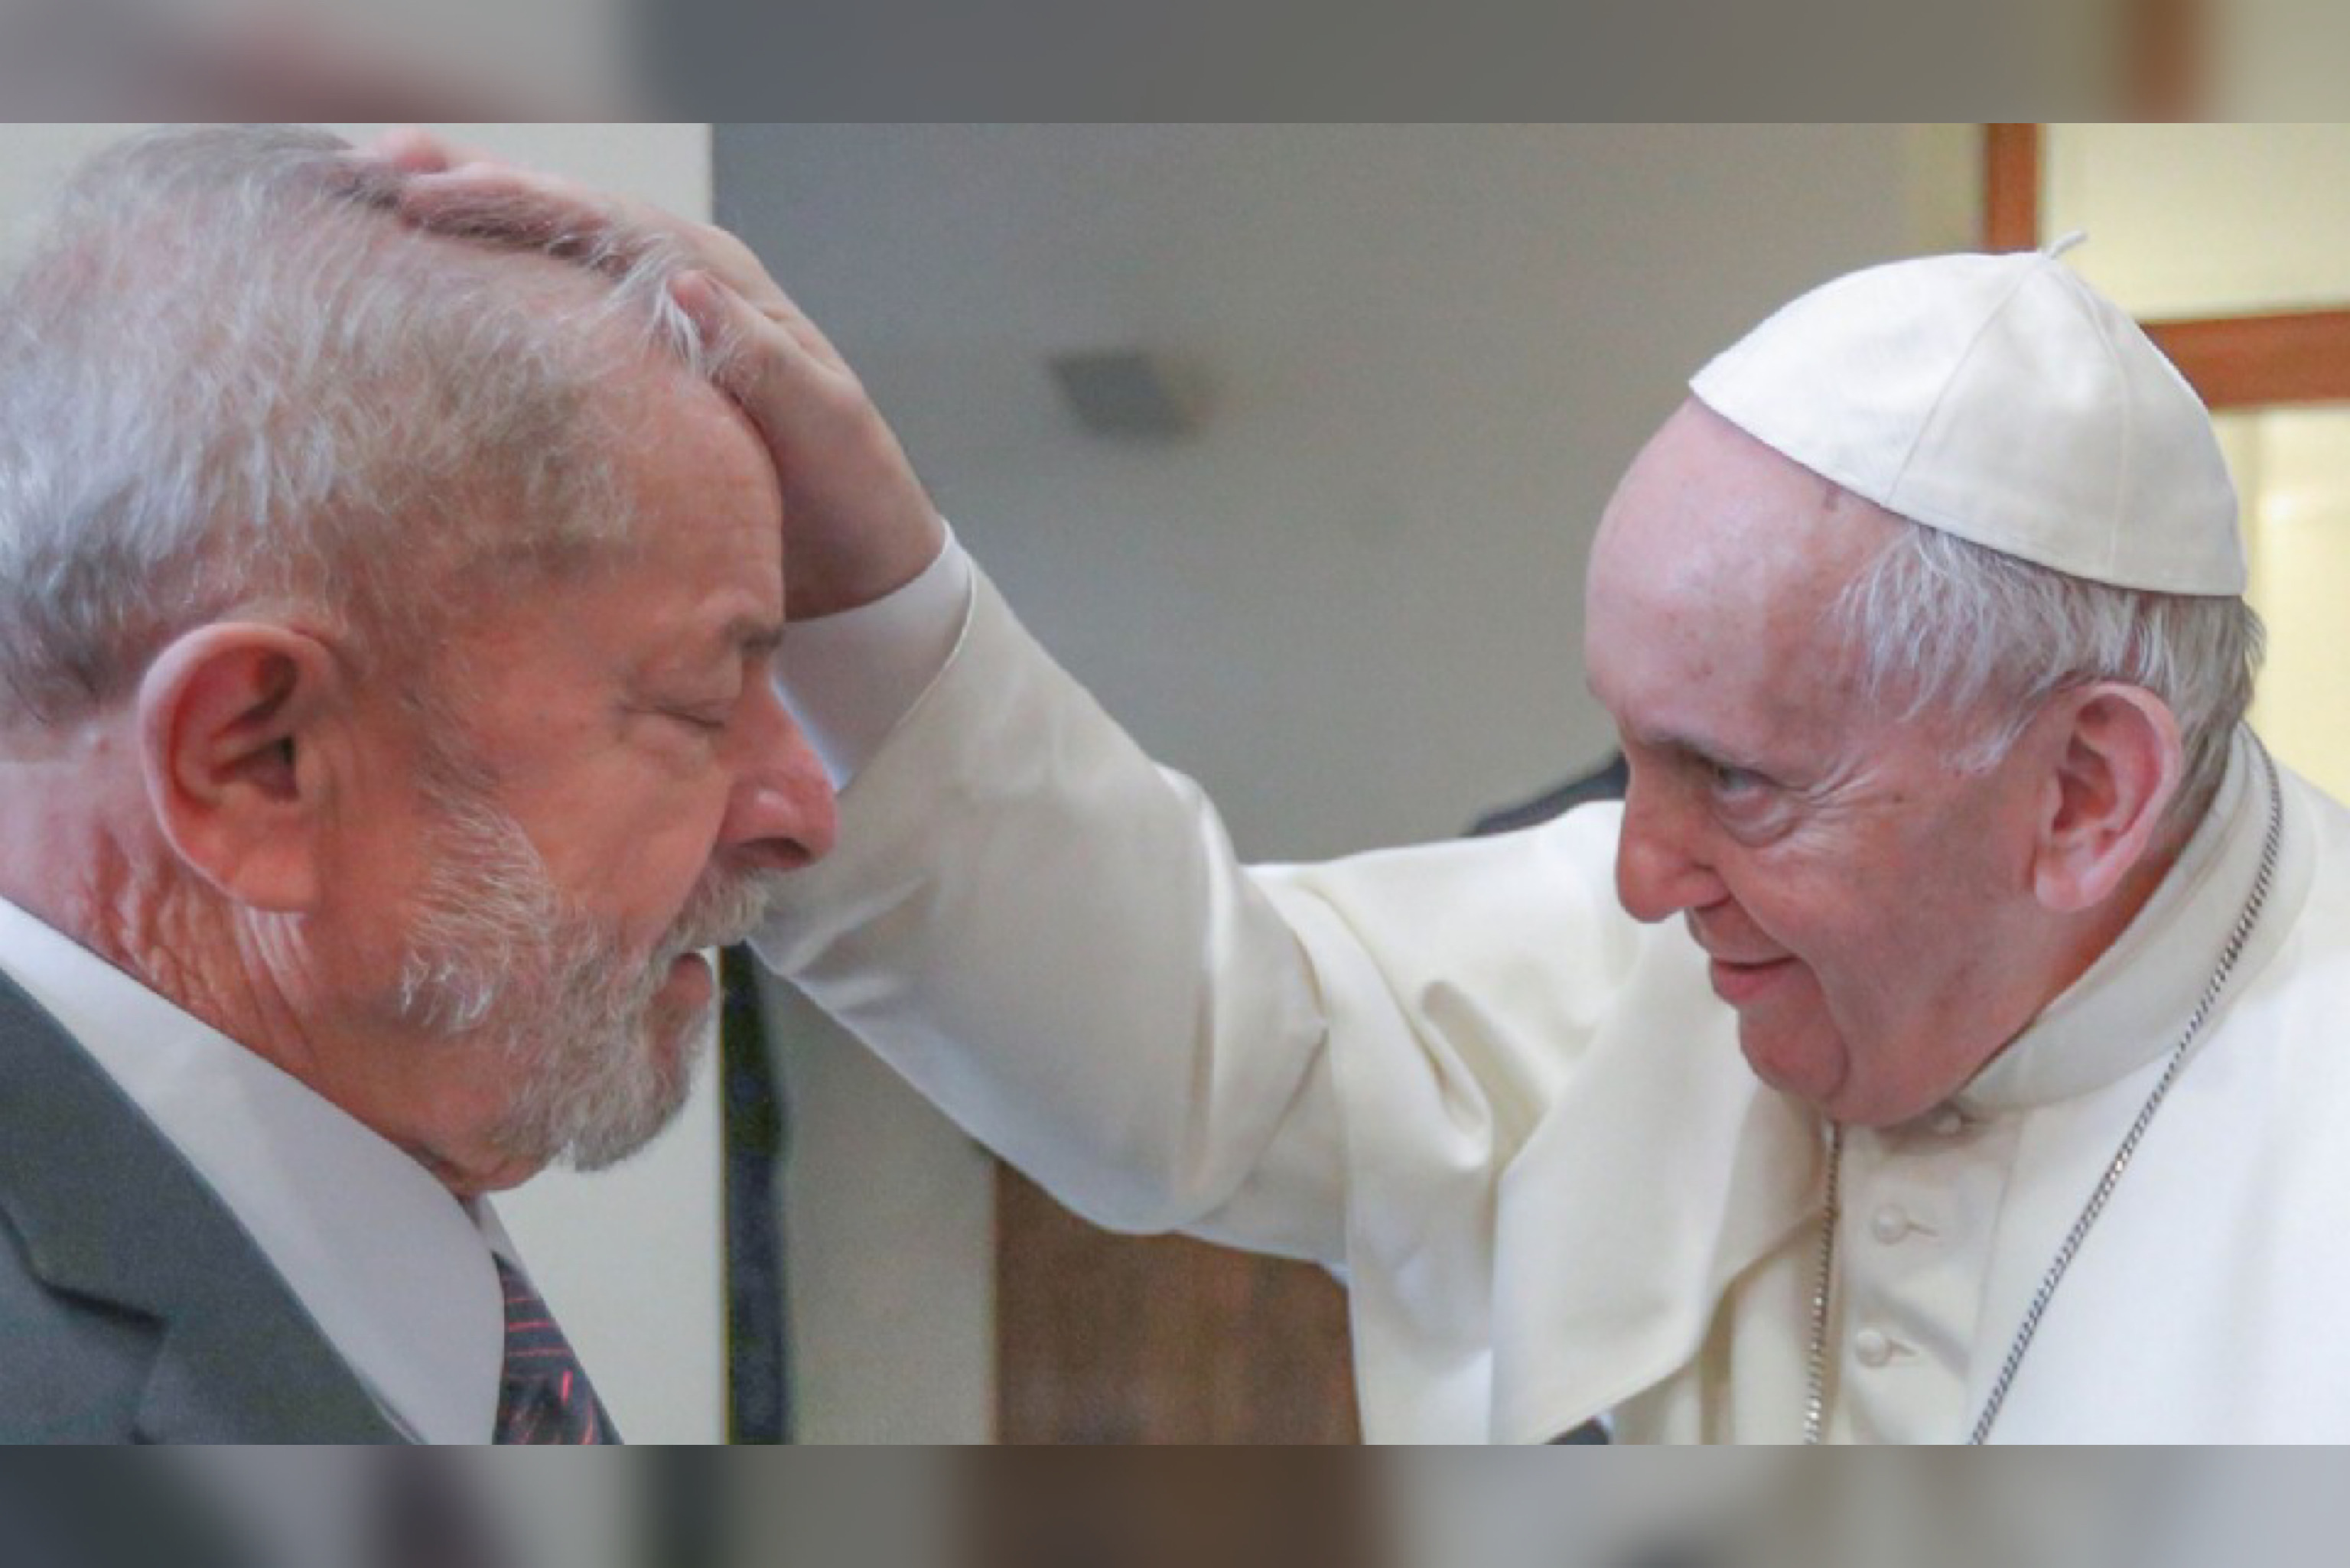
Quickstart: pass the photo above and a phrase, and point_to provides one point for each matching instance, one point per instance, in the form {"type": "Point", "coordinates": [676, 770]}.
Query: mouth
{"type": "Point", "coordinates": [689, 979]}
{"type": "Point", "coordinates": [1740, 983]}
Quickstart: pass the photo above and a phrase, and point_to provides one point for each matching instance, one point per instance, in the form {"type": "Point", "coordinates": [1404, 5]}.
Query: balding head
{"type": "Point", "coordinates": [229, 377]}
{"type": "Point", "coordinates": [386, 631]}
{"type": "Point", "coordinates": [1898, 840]}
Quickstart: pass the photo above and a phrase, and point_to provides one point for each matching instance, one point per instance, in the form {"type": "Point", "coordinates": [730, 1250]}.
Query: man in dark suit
{"type": "Point", "coordinates": [385, 729]}
{"type": "Point", "coordinates": [135, 1307]}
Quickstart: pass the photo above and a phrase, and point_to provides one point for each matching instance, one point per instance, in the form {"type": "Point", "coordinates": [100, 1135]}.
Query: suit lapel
{"type": "Point", "coordinates": [107, 1209]}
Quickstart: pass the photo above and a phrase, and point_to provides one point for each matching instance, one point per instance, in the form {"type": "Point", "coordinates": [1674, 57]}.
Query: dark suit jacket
{"type": "Point", "coordinates": [133, 1307]}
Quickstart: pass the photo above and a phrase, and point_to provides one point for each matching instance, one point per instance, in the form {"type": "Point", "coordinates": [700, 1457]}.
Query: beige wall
{"type": "Point", "coordinates": [2205, 219]}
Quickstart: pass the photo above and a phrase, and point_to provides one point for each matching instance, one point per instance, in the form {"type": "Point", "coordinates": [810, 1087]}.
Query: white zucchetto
{"type": "Point", "coordinates": [2000, 398]}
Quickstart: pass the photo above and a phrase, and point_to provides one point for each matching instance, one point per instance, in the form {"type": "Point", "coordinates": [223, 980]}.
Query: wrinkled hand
{"type": "Point", "coordinates": [856, 522]}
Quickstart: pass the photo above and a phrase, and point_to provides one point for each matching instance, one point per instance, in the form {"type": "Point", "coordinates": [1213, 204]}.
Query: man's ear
{"type": "Point", "coordinates": [2117, 765]}
{"type": "Point", "coordinates": [228, 717]}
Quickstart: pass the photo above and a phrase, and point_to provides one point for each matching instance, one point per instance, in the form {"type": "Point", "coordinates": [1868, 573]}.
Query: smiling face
{"type": "Point", "coordinates": [1868, 910]}
{"type": "Point", "coordinates": [626, 786]}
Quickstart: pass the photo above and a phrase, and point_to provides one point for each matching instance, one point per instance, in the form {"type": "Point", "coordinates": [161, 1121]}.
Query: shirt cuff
{"type": "Point", "coordinates": [848, 679]}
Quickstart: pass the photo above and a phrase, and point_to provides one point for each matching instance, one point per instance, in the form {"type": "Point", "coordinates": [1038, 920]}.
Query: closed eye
{"type": "Point", "coordinates": [700, 718]}
{"type": "Point", "coordinates": [1730, 782]}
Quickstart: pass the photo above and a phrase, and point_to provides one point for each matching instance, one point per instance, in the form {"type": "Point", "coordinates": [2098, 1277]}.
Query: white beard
{"type": "Point", "coordinates": [497, 957]}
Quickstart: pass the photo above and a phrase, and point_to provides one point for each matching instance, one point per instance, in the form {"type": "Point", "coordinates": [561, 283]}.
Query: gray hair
{"type": "Point", "coordinates": [230, 379]}
{"type": "Point", "coordinates": [1941, 625]}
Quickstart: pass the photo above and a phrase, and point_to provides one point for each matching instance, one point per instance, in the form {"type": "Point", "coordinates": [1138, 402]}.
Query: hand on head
{"type": "Point", "coordinates": [857, 523]}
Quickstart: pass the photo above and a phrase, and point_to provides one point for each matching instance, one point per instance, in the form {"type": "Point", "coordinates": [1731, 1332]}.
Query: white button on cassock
{"type": "Point", "coordinates": [1890, 1224]}
{"type": "Point", "coordinates": [1872, 1347]}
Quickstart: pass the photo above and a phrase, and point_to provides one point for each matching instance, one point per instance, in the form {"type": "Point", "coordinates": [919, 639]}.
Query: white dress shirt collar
{"type": "Point", "coordinates": [395, 1271]}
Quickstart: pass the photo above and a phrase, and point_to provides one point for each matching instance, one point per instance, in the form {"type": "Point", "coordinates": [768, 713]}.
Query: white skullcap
{"type": "Point", "coordinates": [2002, 400]}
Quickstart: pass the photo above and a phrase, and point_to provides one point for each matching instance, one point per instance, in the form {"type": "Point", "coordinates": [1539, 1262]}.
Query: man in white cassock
{"type": "Point", "coordinates": [1942, 1040]}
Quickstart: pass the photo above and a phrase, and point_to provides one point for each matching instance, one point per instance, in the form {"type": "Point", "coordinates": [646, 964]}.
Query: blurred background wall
{"type": "Point", "coordinates": [2115, 1507]}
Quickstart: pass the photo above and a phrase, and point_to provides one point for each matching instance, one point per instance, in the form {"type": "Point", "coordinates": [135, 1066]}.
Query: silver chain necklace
{"type": "Point", "coordinates": [1824, 1279]}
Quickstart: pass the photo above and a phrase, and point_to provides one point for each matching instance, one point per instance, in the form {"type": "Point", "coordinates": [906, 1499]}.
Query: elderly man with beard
{"type": "Point", "coordinates": [385, 725]}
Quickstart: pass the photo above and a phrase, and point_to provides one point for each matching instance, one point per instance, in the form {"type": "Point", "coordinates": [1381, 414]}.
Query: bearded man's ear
{"type": "Point", "coordinates": [229, 718]}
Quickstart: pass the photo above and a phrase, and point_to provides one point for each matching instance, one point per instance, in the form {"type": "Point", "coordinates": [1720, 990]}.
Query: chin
{"type": "Point", "coordinates": [594, 1099]}
{"type": "Point", "coordinates": [1812, 1066]}
{"type": "Point", "coordinates": [1825, 1081]}
{"type": "Point", "coordinates": [607, 1144]}
{"type": "Point", "coordinates": [673, 1053]}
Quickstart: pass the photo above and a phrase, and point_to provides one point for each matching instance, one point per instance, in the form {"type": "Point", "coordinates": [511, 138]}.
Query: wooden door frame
{"type": "Point", "coordinates": [2258, 360]}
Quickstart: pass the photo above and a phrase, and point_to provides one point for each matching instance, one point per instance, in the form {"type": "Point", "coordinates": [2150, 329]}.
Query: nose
{"type": "Point", "coordinates": [783, 814]}
{"type": "Point", "coordinates": [1661, 867]}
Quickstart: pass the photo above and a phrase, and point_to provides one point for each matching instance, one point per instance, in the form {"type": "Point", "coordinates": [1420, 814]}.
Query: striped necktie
{"type": "Point", "coordinates": [542, 1395]}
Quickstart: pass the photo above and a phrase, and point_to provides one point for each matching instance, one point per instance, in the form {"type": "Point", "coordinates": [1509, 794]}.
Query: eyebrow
{"type": "Point", "coordinates": [1702, 749]}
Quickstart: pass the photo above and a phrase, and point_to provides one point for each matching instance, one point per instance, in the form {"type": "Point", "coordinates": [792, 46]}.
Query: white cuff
{"type": "Point", "coordinates": [848, 679]}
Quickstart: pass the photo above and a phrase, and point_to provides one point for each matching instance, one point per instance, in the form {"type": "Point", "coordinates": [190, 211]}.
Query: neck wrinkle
{"type": "Point", "coordinates": [134, 907]}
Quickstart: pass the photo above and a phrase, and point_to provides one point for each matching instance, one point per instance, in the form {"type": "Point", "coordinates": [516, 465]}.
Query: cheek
{"type": "Point", "coordinates": [634, 848]}
{"type": "Point", "coordinates": [374, 875]}
{"type": "Point", "coordinates": [1898, 937]}
{"type": "Point", "coordinates": [1816, 907]}
{"type": "Point", "coordinates": [1853, 925]}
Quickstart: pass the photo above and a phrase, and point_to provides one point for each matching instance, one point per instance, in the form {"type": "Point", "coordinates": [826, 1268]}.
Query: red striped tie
{"type": "Point", "coordinates": [543, 1395]}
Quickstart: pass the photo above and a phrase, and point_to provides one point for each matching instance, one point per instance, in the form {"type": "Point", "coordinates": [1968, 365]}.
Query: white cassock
{"type": "Point", "coordinates": [1518, 1124]}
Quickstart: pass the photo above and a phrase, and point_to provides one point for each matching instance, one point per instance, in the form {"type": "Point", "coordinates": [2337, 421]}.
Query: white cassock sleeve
{"type": "Point", "coordinates": [849, 678]}
{"type": "Point", "coordinates": [1050, 937]}
{"type": "Point", "coordinates": [1000, 924]}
